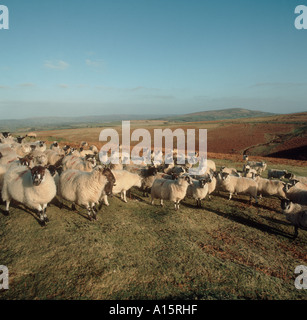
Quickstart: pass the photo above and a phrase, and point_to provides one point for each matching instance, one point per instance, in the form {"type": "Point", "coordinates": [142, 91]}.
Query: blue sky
{"type": "Point", "coordinates": [74, 58]}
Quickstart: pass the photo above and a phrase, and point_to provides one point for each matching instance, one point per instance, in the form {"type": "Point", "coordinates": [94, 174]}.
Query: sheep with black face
{"type": "Point", "coordinates": [34, 188]}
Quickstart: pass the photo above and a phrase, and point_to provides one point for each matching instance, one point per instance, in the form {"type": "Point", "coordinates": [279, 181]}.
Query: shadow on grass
{"type": "Point", "coordinates": [250, 223]}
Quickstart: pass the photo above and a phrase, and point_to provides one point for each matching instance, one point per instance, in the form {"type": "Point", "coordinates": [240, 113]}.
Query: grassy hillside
{"type": "Point", "coordinates": [213, 115]}
{"type": "Point", "coordinates": [226, 250]}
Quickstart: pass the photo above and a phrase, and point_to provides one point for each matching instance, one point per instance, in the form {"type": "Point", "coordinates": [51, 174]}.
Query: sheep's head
{"type": "Point", "coordinates": [38, 175]}
{"type": "Point", "coordinates": [25, 161]}
{"type": "Point", "coordinates": [289, 175]}
{"type": "Point", "coordinates": [52, 169]}
{"type": "Point", "coordinates": [225, 175]}
{"type": "Point", "coordinates": [111, 181]}
{"type": "Point", "coordinates": [285, 204]}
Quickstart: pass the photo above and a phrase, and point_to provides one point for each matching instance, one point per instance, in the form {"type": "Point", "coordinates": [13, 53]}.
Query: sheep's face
{"type": "Point", "coordinates": [38, 175]}
{"type": "Point", "coordinates": [111, 181]}
{"type": "Point", "coordinates": [52, 170]}
{"type": "Point", "coordinates": [285, 204]}
{"type": "Point", "coordinates": [25, 161]}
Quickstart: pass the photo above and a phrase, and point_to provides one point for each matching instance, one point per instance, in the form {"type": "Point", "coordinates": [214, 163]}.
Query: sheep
{"type": "Point", "coordinates": [173, 190]}
{"type": "Point", "coordinates": [296, 214]}
{"type": "Point", "coordinates": [74, 162]}
{"type": "Point", "coordinates": [231, 171]}
{"type": "Point", "coordinates": [301, 179]}
{"type": "Point", "coordinates": [85, 188]}
{"type": "Point", "coordinates": [148, 176]}
{"type": "Point", "coordinates": [31, 135]}
{"type": "Point", "coordinates": [296, 194]}
{"type": "Point", "coordinates": [259, 166]}
{"type": "Point", "coordinates": [250, 173]}
{"type": "Point", "coordinates": [275, 173]}
{"type": "Point", "coordinates": [204, 167]}
{"type": "Point", "coordinates": [39, 145]}
{"type": "Point", "coordinates": [125, 180]}
{"type": "Point", "coordinates": [94, 149]}
{"type": "Point", "coordinates": [239, 185]}
{"type": "Point", "coordinates": [39, 158]}
{"type": "Point", "coordinates": [198, 190]}
{"type": "Point", "coordinates": [34, 187]}
{"type": "Point", "coordinates": [54, 157]}
{"type": "Point", "coordinates": [8, 157]}
{"type": "Point", "coordinates": [22, 149]}
{"type": "Point", "coordinates": [84, 153]}
{"type": "Point", "coordinates": [270, 187]}
{"type": "Point", "coordinates": [176, 170]}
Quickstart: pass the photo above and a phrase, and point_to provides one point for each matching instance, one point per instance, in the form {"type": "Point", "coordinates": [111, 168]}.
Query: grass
{"type": "Point", "coordinates": [225, 250]}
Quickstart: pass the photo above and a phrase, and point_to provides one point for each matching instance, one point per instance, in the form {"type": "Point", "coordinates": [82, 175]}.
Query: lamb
{"type": "Point", "coordinates": [173, 190]}
{"type": "Point", "coordinates": [275, 173]}
{"type": "Point", "coordinates": [85, 188]}
{"type": "Point", "coordinates": [84, 153]}
{"type": "Point", "coordinates": [296, 194]}
{"type": "Point", "coordinates": [239, 185]}
{"type": "Point", "coordinates": [125, 180]}
{"type": "Point", "coordinates": [270, 187]}
{"type": "Point", "coordinates": [34, 187]}
{"type": "Point", "coordinates": [198, 190]}
{"type": "Point", "coordinates": [296, 214]}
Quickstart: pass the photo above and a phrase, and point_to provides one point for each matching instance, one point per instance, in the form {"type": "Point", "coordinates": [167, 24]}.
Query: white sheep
{"type": "Point", "coordinates": [296, 194]}
{"type": "Point", "coordinates": [231, 171]}
{"type": "Point", "coordinates": [268, 187]}
{"type": "Point", "coordinates": [34, 187]}
{"type": "Point", "coordinates": [85, 188]}
{"type": "Point", "coordinates": [198, 190]}
{"type": "Point", "coordinates": [296, 214]}
{"type": "Point", "coordinates": [239, 185]}
{"type": "Point", "coordinates": [125, 180]}
{"type": "Point", "coordinates": [172, 190]}
{"type": "Point", "coordinates": [77, 163]}
{"type": "Point", "coordinates": [54, 157]}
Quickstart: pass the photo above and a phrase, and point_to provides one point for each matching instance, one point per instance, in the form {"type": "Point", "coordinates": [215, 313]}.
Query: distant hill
{"type": "Point", "coordinates": [212, 115]}
{"type": "Point", "coordinates": [48, 123]}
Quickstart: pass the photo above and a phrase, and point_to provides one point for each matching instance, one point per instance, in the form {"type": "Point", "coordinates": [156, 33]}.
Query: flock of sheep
{"type": "Point", "coordinates": [34, 174]}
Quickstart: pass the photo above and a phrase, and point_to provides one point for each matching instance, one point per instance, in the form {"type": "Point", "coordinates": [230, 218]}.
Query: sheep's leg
{"type": "Point", "coordinates": [73, 207]}
{"type": "Point", "coordinates": [230, 195]}
{"type": "Point", "coordinates": [89, 212]}
{"type": "Point", "coordinates": [295, 232]}
{"type": "Point", "coordinates": [161, 202]}
{"type": "Point", "coordinates": [94, 211]}
{"type": "Point", "coordinates": [44, 213]}
{"type": "Point", "coordinates": [124, 196]}
{"type": "Point", "coordinates": [152, 200]}
{"type": "Point", "coordinates": [105, 200]}
{"type": "Point", "coordinates": [7, 207]}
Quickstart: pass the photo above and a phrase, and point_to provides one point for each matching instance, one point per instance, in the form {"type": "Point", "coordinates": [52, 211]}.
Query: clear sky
{"type": "Point", "coordinates": [72, 57]}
